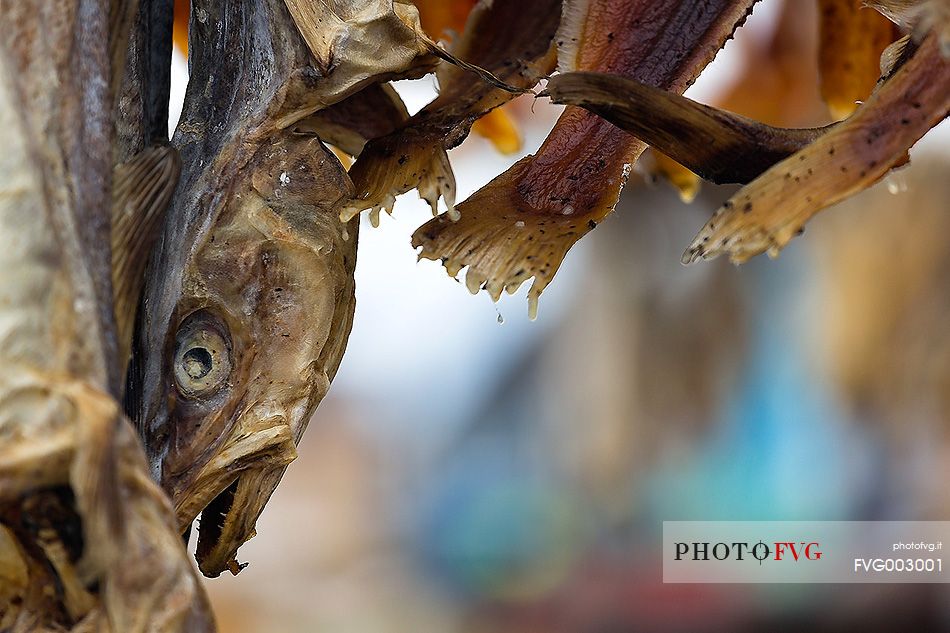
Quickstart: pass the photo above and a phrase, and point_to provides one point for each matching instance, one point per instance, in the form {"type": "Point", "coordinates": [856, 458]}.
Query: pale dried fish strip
{"type": "Point", "coordinates": [769, 212]}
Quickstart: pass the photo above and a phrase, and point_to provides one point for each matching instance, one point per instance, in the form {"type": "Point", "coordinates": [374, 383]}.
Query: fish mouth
{"type": "Point", "coordinates": [227, 522]}
{"type": "Point", "coordinates": [230, 493]}
{"type": "Point", "coordinates": [211, 526]}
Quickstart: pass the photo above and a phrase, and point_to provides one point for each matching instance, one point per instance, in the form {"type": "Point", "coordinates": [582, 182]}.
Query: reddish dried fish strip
{"type": "Point", "coordinates": [522, 223]}
{"type": "Point", "coordinates": [770, 211]}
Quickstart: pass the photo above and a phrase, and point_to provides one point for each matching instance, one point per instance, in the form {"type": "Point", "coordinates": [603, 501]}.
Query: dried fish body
{"type": "Point", "coordinates": [75, 497]}
{"type": "Point", "coordinates": [766, 214]}
{"type": "Point", "coordinates": [251, 293]}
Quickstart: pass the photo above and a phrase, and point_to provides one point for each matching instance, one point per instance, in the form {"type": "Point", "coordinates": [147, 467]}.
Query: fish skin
{"type": "Point", "coordinates": [770, 211]}
{"type": "Point", "coordinates": [252, 263]}
{"type": "Point", "coordinates": [142, 96]}
{"type": "Point", "coordinates": [70, 461]}
{"type": "Point", "coordinates": [66, 172]}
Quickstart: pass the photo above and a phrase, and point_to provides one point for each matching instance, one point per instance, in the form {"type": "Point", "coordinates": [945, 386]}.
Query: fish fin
{"type": "Point", "coordinates": [502, 242]}
{"type": "Point", "coordinates": [395, 164]}
{"type": "Point", "coordinates": [522, 223]}
{"type": "Point", "coordinates": [893, 55]}
{"type": "Point", "coordinates": [142, 189]}
{"type": "Point", "coordinates": [375, 112]}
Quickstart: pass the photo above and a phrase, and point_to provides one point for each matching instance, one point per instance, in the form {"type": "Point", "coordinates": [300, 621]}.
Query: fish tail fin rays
{"type": "Point", "coordinates": [378, 182]}
{"type": "Point", "coordinates": [502, 242]}
{"type": "Point", "coordinates": [375, 113]}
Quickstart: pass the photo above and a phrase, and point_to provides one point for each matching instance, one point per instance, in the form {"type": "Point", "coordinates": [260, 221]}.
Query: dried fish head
{"type": "Point", "coordinates": [262, 311]}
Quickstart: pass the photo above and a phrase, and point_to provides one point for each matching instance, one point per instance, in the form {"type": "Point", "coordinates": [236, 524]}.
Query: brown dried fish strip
{"type": "Point", "coordinates": [719, 146]}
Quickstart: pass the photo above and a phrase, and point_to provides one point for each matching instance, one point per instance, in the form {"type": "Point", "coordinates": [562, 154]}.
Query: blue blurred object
{"type": "Point", "coordinates": [782, 448]}
{"type": "Point", "coordinates": [494, 528]}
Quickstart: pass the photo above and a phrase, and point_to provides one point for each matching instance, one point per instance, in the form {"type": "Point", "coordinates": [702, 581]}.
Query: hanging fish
{"type": "Point", "coordinates": [89, 537]}
{"type": "Point", "coordinates": [250, 296]}
{"type": "Point", "coordinates": [913, 97]}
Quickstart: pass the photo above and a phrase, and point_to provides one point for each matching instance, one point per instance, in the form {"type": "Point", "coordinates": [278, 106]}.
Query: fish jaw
{"type": "Point", "coordinates": [231, 490]}
{"type": "Point", "coordinates": [266, 449]}
{"type": "Point", "coordinates": [222, 529]}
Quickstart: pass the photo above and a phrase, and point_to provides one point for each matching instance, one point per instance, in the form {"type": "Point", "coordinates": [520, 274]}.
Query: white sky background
{"type": "Point", "coordinates": [423, 350]}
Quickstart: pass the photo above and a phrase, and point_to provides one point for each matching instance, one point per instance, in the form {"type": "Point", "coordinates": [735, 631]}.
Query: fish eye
{"type": "Point", "coordinates": [202, 360]}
